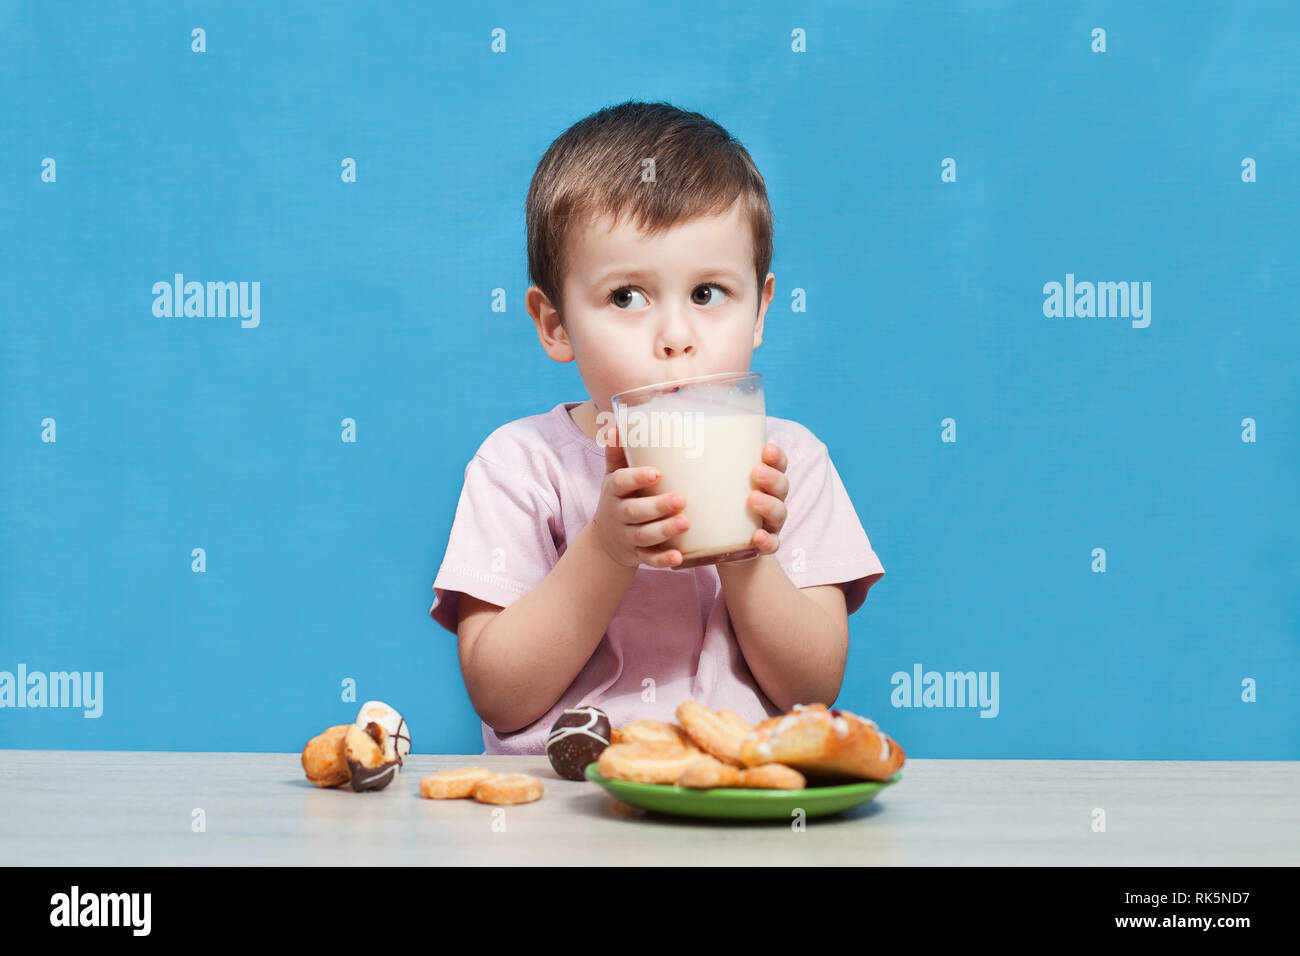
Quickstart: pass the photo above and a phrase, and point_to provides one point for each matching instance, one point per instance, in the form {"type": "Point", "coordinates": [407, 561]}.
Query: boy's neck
{"type": "Point", "coordinates": [584, 416]}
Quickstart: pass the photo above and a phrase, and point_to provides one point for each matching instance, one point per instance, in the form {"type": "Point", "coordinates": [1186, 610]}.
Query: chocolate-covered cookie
{"type": "Point", "coordinates": [371, 756]}
{"type": "Point", "coordinates": [392, 722]}
{"type": "Point", "coordinates": [578, 738]}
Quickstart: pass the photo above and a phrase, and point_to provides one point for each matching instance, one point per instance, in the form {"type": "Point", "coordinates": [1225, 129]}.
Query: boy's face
{"type": "Point", "coordinates": [642, 310]}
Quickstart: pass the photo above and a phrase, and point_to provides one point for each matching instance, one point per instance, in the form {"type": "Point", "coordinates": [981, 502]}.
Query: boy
{"type": "Point", "coordinates": [556, 578]}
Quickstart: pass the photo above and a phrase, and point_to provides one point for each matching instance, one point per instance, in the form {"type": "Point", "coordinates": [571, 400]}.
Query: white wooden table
{"type": "Point", "coordinates": [97, 808]}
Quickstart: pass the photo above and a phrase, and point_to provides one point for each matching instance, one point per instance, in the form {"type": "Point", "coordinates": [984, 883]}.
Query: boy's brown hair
{"type": "Point", "coordinates": [595, 168]}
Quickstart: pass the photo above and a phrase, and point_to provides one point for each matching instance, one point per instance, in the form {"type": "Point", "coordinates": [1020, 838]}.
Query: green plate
{"type": "Point", "coordinates": [741, 804]}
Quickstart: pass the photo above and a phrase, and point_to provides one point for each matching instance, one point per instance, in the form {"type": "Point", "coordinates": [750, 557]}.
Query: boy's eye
{"type": "Point", "coordinates": [616, 296]}
{"type": "Point", "coordinates": [713, 285]}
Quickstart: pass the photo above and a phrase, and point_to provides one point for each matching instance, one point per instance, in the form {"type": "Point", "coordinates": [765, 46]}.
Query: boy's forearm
{"type": "Point", "coordinates": [790, 644]}
{"type": "Point", "coordinates": [529, 654]}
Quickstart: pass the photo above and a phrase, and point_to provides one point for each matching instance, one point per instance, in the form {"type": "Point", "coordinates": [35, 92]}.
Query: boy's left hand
{"type": "Point", "coordinates": [770, 501]}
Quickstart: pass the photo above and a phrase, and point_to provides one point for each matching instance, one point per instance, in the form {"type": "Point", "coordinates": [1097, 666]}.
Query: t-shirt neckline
{"type": "Point", "coordinates": [587, 441]}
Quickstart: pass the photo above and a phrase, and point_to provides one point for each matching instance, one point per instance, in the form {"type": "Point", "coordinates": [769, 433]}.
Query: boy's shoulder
{"type": "Point", "coordinates": [514, 445]}
{"type": "Point", "coordinates": [791, 436]}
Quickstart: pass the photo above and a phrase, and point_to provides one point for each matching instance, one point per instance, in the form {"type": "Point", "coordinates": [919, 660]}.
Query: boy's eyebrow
{"type": "Point", "coordinates": [649, 274]}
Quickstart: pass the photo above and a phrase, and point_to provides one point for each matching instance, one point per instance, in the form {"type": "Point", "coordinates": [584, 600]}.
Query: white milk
{"type": "Point", "coordinates": [711, 470]}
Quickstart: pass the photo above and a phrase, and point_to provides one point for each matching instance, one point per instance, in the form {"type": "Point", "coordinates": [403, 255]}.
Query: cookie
{"type": "Point", "coordinates": [645, 762]}
{"type": "Point", "coordinates": [733, 720]}
{"type": "Point", "coordinates": [454, 783]}
{"type": "Point", "coordinates": [372, 757]}
{"type": "Point", "coordinates": [705, 772]}
{"type": "Point", "coordinates": [324, 758]}
{"type": "Point", "coordinates": [711, 733]}
{"type": "Point", "coordinates": [508, 788]}
{"type": "Point", "coordinates": [825, 745]}
{"type": "Point", "coordinates": [394, 725]}
{"type": "Point", "coordinates": [647, 731]}
{"type": "Point", "coordinates": [771, 776]}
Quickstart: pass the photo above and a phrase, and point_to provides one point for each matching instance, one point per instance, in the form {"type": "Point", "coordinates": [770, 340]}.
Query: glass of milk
{"type": "Point", "coordinates": [705, 435]}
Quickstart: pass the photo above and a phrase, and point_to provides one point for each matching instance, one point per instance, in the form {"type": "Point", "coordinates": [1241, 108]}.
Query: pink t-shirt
{"type": "Point", "coordinates": [533, 485]}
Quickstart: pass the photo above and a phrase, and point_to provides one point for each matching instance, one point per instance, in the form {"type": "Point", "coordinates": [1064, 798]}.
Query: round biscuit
{"type": "Point", "coordinates": [509, 788]}
{"type": "Point", "coordinates": [453, 784]}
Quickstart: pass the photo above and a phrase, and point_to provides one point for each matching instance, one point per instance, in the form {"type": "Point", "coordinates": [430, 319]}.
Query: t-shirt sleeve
{"type": "Point", "coordinates": [501, 544]}
{"type": "Point", "coordinates": [823, 541]}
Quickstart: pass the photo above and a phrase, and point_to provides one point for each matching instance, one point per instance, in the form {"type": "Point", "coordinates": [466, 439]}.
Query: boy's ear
{"type": "Point", "coordinates": [550, 332]}
{"type": "Point", "coordinates": [764, 300]}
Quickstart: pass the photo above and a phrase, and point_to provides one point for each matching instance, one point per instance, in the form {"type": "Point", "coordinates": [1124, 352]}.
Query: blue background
{"type": "Point", "coordinates": [925, 302]}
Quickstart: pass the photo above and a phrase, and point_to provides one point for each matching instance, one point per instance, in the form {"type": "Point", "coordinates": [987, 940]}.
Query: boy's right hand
{"type": "Point", "coordinates": [631, 524]}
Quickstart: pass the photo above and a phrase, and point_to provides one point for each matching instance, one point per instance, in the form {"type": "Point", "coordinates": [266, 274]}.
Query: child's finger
{"type": "Point", "coordinates": [658, 558]}
{"type": "Point", "coordinates": [641, 510]}
{"type": "Point", "coordinates": [774, 455]}
{"type": "Point", "coordinates": [772, 481]}
{"type": "Point", "coordinates": [657, 532]}
{"type": "Point", "coordinates": [630, 480]}
{"type": "Point", "coordinates": [615, 457]}
{"type": "Point", "coordinates": [773, 509]}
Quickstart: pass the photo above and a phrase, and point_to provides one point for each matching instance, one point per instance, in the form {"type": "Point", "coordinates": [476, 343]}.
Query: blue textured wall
{"type": "Point", "coordinates": [932, 167]}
